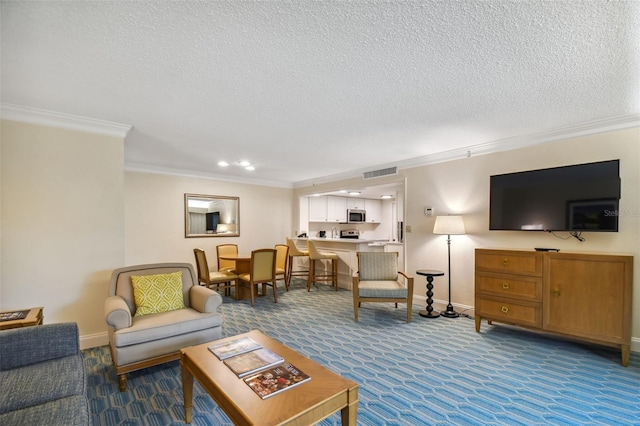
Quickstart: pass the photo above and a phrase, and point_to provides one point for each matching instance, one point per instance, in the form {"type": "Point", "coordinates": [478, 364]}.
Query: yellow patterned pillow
{"type": "Point", "coordinates": [157, 293]}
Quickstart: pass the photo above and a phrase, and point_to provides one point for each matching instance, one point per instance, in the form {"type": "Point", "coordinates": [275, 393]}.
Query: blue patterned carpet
{"type": "Point", "coordinates": [429, 372]}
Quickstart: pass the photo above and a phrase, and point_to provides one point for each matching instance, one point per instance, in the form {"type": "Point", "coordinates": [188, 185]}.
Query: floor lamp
{"type": "Point", "coordinates": [449, 225]}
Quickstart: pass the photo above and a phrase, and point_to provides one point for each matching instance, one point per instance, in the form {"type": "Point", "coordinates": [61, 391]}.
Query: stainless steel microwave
{"type": "Point", "coordinates": [356, 216]}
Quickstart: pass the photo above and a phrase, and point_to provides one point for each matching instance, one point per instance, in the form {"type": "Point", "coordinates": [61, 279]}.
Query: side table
{"type": "Point", "coordinates": [429, 273]}
{"type": "Point", "coordinates": [34, 317]}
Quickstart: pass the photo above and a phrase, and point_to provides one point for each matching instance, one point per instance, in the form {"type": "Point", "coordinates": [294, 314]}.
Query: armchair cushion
{"type": "Point", "coordinates": [387, 289]}
{"type": "Point", "coordinates": [157, 293]}
{"type": "Point", "coordinates": [378, 267]}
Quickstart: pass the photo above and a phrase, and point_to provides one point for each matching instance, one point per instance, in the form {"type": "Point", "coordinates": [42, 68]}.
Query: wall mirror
{"type": "Point", "coordinates": [211, 216]}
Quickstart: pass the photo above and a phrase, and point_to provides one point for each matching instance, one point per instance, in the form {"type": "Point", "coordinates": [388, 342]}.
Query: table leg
{"type": "Point", "coordinates": [187, 391]}
{"type": "Point", "coordinates": [349, 414]}
{"type": "Point", "coordinates": [429, 313]}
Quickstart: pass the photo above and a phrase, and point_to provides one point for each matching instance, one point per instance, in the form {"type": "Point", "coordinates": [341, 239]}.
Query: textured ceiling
{"type": "Point", "coordinates": [310, 89]}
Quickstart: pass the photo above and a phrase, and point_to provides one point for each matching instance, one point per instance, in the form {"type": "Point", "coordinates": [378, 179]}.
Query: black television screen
{"type": "Point", "coordinates": [581, 197]}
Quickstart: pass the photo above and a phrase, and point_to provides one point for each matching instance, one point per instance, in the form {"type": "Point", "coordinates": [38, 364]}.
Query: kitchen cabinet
{"type": "Point", "coordinates": [355, 203]}
{"type": "Point", "coordinates": [317, 209]}
{"type": "Point", "coordinates": [336, 209]}
{"type": "Point", "coordinates": [374, 210]}
{"type": "Point", "coordinates": [579, 295]}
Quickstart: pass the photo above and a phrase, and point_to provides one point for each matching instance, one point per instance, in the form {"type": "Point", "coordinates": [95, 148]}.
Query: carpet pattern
{"type": "Point", "coordinates": [429, 372]}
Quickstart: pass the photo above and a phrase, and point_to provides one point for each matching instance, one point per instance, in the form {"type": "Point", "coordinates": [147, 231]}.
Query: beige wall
{"type": "Point", "coordinates": [154, 217]}
{"type": "Point", "coordinates": [70, 214]}
{"type": "Point", "coordinates": [62, 221]}
{"type": "Point", "coordinates": [462, 187]}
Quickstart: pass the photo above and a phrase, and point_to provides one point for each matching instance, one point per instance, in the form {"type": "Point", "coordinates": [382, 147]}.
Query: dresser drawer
{"type": "Point", "coordinates": [513, 286]}
{"type": "Point", "coordinates": [509, 261]}
{"type": "Point", "coordinates": [509, 311]}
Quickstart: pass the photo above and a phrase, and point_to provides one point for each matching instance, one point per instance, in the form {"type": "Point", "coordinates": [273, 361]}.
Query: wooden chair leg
{"type": "Point", "coordinates": [275, 292]}
{"type": "Point", "coordinates": [287, 276]}
{"type": "Point", "coordinates": [253, 293]}
{"type": "Point", "coordinates": [356, 305]}
{"type": "Point", "coordinates": [312, 273]}
{"type": "Point", "coordinates": [122, 382]}
{"type": "Point", "coordinates": [334, 267]}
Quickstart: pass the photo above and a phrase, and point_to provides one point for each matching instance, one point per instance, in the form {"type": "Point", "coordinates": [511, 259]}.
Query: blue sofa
{"type": "Point", "coordinates": [42, 376]}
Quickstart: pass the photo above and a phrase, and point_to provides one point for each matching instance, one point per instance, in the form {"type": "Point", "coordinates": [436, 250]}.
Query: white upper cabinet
{"type": "Point", "coordinates": [317, 209]}
{"type": "Point", "coordinates": [374, 210]}
{"type": "Point", "coordinates": [355, 203]}
{"type": "Point", "coordinates": [336, 209]}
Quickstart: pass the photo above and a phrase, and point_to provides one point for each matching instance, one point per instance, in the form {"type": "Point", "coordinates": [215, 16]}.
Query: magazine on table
{"type": "Point", "coordinates": [12, 316]}
{"type": "Point", "coordinates": [251, 362]}
{"type": "Point", "coordinates": [276, 379]}
{"type": "Point", "coordinates": [234, 347]}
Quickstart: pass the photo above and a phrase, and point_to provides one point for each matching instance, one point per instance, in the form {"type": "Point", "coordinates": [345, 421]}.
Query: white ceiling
{"type": "Point", "coordinates": [310, 89]}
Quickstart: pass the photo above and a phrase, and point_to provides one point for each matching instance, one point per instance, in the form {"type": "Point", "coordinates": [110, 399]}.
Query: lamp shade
{"type": "Point", "coordinates": [226, 228]}
{"type": "Point", "coordinates": [449, 225]}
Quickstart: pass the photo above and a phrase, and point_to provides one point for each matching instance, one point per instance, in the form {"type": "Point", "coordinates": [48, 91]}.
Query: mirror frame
{"type": "Point", "coordinates": [233, 220]}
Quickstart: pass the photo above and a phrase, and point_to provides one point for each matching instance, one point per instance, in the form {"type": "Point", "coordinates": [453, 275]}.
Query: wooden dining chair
{"type": "Point", "coordinates": [262, 271]}
{"type": "Point", "coordinates": [282, 257]}
{"type": "Point", "coordinates": [207, 277]}
{"type": "Point", "coordinates": [226, 250]}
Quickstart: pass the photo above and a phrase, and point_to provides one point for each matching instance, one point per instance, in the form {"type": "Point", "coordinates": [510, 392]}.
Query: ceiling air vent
{"type": "Point", "coordinates": [381, 172]}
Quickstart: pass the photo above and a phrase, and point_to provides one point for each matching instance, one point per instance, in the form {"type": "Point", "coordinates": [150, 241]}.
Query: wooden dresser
{"type": "Point", "coordinates": [578, 295]}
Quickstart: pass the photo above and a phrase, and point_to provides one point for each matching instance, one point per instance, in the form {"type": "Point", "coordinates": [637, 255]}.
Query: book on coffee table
{"type": "Point", "coordinates": [274, 380]}
{"type": "Point", "coordinates": [14, 315]}
{"type": "Point", "coordinates": [234, 347]}
{"type": "Point", "coordinates": [251, 362]}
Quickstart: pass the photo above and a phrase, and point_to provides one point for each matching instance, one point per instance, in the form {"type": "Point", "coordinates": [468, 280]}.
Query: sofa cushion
{"type": "Point", "coordinates": [40, 383]}
{"type": "Point", "coordinates": [68, 411]}
{"type": "Point", "coordinates": [157, 293]}
{"type": "Point", "coordinates": [163, 325]}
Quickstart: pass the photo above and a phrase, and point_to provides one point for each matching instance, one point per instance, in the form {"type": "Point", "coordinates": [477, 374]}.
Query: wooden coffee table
{"type": "Point", "coordinates": [34, 317]}
{"type": "Point", "coordinates": [305, 404]}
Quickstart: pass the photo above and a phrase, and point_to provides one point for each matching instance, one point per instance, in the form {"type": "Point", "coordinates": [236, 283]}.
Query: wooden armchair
{"type": "Point", "coordinates": [378, 280]}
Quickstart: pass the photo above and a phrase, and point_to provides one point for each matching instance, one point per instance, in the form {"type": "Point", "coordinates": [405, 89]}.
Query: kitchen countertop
{"type": "Point", "coordinates": [374, 242]}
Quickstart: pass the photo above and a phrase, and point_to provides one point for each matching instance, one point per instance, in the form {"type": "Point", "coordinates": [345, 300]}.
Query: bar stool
{"type": "Point", "coordinates": [294, 252]}
{"type": "Point", "coordinates": [315, 254]}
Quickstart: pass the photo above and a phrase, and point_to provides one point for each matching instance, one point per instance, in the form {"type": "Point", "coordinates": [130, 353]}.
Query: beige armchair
{"type": "Point", "coordinates": [138, 342]}
{"type": "Point", "coordinates": [378, 280]}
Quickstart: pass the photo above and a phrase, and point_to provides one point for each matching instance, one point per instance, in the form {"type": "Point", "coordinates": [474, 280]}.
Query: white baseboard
{"type": "Point", "coordinates": [94, 340]}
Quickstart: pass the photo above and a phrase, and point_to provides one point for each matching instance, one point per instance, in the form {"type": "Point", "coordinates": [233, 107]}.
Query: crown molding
{"type": "Point", "coordinates": [587, 128]}
{"type": "Point", "coordinates": [148, 168]}
{"type": "Point", "coordinates": [63, 121]}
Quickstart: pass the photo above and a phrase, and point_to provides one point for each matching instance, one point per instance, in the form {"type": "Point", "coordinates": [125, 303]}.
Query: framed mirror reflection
{"type": "Point", "coordinates": [211, 216]}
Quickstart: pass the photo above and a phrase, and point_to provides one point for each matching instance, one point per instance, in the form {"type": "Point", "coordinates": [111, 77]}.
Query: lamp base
{"type": "Point", "coordinates": [449, 313]}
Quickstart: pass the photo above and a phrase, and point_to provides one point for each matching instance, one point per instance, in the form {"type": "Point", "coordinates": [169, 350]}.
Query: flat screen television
{"type": "Point", "coordinates": [577, 198]}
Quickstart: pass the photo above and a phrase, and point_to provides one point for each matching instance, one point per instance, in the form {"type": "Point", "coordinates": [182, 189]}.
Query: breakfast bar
{"type": "Point", "coordinates": [346, 249]}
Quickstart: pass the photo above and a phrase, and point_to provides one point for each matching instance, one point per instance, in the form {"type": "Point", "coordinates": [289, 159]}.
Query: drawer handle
{"type": "Point", "coordinates": [505, 309]}
{"type": "Point", "coordinates": [556, 292]}
{"type": "Point", "coordinates": [505, 262]}
{"type": "Point", "coordinates": [505, 286]}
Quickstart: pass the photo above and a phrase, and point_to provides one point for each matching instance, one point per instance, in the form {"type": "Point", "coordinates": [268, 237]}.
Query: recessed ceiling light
{"type": "Point", "coordinates": [250, 168]}
{"type": "Point", "coordinates": [354, 192]}
{"type": "Point", "coordinates": [223, 163]}
{"type": "Point", "coordinates": [385, 197]}
{"type": "Point", "coordinates": [244, 163]}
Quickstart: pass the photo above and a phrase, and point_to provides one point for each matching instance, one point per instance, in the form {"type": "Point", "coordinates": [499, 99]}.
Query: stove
{"type": "Point", "coordinates": [350, 233]}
